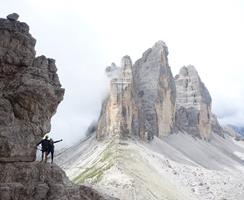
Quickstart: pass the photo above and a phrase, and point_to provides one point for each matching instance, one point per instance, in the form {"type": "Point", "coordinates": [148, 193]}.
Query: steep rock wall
{"type": "Point", "coordinates": [154, 92]}
{"type": "Point", "coordinates": [141, 101]}
{"type": "Point", "coordinates": [118, 108]}
{"type": "Point", "coordinates": [29, 92]}
{"type": "Point", "coordinates": [193, 103]}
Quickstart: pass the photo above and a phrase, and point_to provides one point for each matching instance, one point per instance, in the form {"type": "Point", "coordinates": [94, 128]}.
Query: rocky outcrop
{"type": "Point", "coordinates": [142, 98]}
{"type": "Point", "coordinates": [13, 17]}
{"type": "Point", "coordinates": [146, 101]}
{"type": "Point", "coordinates": [154, 91]}
{"type": "Point", "coordinates": [118, 108]}
{"type": "Point", "coordinates": [30, 92]}
{"type": "Point", "coordinates": [193, 103]}
{"type": "Point", "coordinates": [37, 181]}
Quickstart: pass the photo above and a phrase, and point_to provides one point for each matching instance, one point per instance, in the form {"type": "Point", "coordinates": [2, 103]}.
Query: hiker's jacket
{"type": "Point", "coordinates": [45, 144]}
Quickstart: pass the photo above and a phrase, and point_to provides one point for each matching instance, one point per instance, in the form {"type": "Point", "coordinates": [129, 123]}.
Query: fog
{"type": "Point", "coordinates": [86, 36]}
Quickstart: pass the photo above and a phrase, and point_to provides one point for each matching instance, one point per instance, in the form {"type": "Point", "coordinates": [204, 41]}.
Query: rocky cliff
{"type": "Point", "coordinates": [193, 103]}
{"type": "Point", "coordinates": [146, 101]}
{"type": "Point", "coordinates": [154, 91]}
{"type": "Point", "coordinates": [30, 92]}
{"type": "Point", "coordinates": [142, 97]}
{"type": "Point", "coordinates": [118, 109]}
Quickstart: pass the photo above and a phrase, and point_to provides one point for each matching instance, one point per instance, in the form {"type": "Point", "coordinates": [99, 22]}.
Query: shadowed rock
{"type": "Point", "coordinates": [154, 92]}
{"type": "Point", "coordinates": [13, 17]}
{"type": "Point", "coordinates": [37, 181]}
{"type": "Point", "coordinates": [193, 103]}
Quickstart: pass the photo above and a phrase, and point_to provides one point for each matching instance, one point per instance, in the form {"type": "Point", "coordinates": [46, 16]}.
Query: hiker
{"type": "Point", "coordinates": [45, 144]}
{"type": "Point", "coordinates": [51, 147]}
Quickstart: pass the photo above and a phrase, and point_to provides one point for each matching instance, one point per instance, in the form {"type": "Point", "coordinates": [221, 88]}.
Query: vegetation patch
{"type": "Point", "coordinates": [96, 171]}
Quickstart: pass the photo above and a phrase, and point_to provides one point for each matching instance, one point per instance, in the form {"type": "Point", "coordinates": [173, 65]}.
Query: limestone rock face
{"type": "Point", "coordinates": [193, 103]}
{"type": "Point", "coordinates": [30, 92]}
{"type": "Point", "coordinates": [155, 93]}
{"type": "Point", "coordinates": [117, 109]}
{"type": "Point", "coordinates": [142, 97]}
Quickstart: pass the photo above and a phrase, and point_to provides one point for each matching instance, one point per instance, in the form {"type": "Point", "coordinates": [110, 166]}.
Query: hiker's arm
{"type": "Point", "coordinates": [39, 143]}
{"type": "Point", "coordinates": [58, 141]}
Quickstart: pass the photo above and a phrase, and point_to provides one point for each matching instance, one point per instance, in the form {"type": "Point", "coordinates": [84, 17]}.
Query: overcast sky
{"type": "Point", "coordinates": [86, 36]}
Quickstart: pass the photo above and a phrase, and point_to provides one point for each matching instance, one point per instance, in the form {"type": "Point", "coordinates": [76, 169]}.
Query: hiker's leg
{"type": "Point", "coordinates": [46, 153]}
{"type": "Point", "coordinates": [42, 155]}
{"type": "Point", "coordinates": [52, 152]}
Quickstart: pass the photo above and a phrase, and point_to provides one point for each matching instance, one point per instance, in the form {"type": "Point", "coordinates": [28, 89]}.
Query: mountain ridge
{"type": "Point", "coordinates": [157, 138]}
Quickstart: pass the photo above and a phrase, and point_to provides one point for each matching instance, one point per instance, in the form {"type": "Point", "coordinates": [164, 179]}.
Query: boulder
{"type": "Point", "coordinates": [13, 17]}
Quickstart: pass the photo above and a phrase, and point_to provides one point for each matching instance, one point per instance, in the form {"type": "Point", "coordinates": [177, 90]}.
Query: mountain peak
{"type": "Point", "coordinates": [187, 70]}
{"type": "Point", "coordinates": [126, 61]}
{"type": "Point", "coordinates": [160, 44]}
{"type": "Point", "coordinates": [193, 103]}
{"type": "Point", "coordinates": [137, 105]}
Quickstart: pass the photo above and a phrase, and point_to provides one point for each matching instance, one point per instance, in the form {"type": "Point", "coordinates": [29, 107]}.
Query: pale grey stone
{"type": "Point", "coordinates": [154, 92]}
{"type": "Point", "coordinates": [193, 105]}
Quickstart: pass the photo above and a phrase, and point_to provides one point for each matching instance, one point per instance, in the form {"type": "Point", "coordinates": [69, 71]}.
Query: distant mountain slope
{"type": "Point", "coordinates": [177, 167]}
{"type": "Point", "coordinates": [238, 129]}
{"type": "Point", "coordinates": [157, 138]}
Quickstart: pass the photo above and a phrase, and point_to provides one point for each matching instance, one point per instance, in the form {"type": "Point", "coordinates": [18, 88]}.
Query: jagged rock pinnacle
{"type": "Point", "coordinates": [126, 61]}
{"type": "Point", "coordinates": [193, 103]}
{"type": "Point", "coordinates": [142, 98]}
